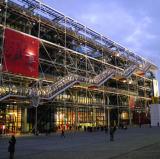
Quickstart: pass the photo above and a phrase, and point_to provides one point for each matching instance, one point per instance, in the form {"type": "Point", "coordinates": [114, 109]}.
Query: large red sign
{"type": "Point", "coordinates": [21, 54]}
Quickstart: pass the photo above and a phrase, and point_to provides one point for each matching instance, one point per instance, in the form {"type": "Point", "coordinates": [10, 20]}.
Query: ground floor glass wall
{"type": "Point", "coordinates": [70, 117]}
{"type": "Point", "coordinates": [55, 116]}
{"type": "Point", "coordinates": [10, 119]}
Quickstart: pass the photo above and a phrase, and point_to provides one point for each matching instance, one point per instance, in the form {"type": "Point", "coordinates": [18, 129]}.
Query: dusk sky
{"type": "Point", "coordinates": [132, 23]}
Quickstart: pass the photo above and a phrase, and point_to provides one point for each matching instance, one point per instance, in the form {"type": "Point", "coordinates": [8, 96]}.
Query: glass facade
{"type": "Point", "coordinates": [10, 119]}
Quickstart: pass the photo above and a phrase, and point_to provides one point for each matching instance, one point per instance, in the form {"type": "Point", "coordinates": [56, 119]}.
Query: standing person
{"type": "Point", "coordinates": [140, 124]}
{"type": "Point", "coordinates": [11, 147]}
{"type": "Point", "coordinates": [112, 131]}
{"type": "Point", "coordinates": [111, 134]}
{"type": "Point", "coordinates": [62, 133]}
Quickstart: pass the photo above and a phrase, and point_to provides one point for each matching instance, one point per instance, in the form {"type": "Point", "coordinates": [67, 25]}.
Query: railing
{"type": "Point", "coordinates": [13, 91]}
{"type": "Point", "coordinates": [129, 71]}
{"type": "Point", "coordinates": [146, 67]}
{"type": "Point", "coordinates": [66, 82]}
{"type": "Point", "coordinates": [103, 77]}
{"type": "Point", "coordinates": [49, 92]}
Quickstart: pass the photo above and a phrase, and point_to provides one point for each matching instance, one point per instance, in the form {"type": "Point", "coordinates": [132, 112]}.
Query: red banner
{"type": "Point", "coordinates": [21, 54]}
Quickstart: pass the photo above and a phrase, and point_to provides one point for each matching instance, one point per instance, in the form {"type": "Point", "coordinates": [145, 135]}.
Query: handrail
{"type": "Point", "coordinates": [51, 91]}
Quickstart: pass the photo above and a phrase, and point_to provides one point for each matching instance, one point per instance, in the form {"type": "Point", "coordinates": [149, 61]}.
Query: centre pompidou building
{"type": "Point", "coordinates": [57, 72]}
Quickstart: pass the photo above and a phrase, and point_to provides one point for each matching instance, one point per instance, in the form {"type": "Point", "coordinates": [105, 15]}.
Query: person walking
{"type": "Point", "coordinates": [11, 147]}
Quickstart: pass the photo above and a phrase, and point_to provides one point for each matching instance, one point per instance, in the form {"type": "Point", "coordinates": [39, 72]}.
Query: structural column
{"type": "Point", "coordinates": [24, 120]}
{"type": "Point", "coordinates": [130, 117]}
{"type": "Point", "coordinates": [94, 116]}
{"type": "Point", "coordinates": [108, 111]}
{"type": "Point", "coordinates": [76, 116]}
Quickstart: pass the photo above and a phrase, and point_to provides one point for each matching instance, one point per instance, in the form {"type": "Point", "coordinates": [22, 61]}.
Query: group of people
{"type": "Point", "coordinates": [112, 131]}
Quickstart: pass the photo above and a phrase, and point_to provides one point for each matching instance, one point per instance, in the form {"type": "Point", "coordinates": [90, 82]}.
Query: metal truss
{"type": "Point", "coordinates": [85, 57]}
{"type": "Point", "coordinates": [90, 36]}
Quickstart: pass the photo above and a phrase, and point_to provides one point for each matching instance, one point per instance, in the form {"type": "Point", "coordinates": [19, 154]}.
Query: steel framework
{"type": "Point", "coordinates": [73, 59]}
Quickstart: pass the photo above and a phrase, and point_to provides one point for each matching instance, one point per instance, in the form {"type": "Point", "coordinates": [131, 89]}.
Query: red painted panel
{"type": "Point", "coordinates": [21, 54]}
{"type": "Point", "coordinates": [132, 102]}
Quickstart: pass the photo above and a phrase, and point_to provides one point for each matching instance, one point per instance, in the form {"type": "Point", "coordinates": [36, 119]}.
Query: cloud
{"type": "Point", "coordinates": [140, 33]}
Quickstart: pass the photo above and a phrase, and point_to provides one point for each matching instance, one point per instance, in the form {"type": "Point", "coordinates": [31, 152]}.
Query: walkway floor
{"type": "Point", "coordinates": [133, 143]}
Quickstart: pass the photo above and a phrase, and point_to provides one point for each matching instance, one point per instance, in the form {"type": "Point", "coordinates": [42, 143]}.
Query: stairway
{"type": "Point", "coordinates": [12, 91]}
{"type": "Point", "coordinates": [60, 86]}
{"type": "Point", "coordinates": [68, 81]}
{"type": "Point", "coordinates": [103, 77]}
{"type": "Point", "coordinates": [146, 67]}
{"type": "Point", "coordinates": [129, 71]}
{"type": "Point", "coordinates": [51, 91]}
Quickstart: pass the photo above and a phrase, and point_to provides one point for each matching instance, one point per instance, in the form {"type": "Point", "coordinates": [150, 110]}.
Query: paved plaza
{"type": "Point", "coordinates": [133, 143]}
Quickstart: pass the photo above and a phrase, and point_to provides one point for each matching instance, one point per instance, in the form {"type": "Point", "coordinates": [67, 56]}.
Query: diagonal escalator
{"type": "Point", "coordinates": [59, 87]}
{"type": "Point", "coordinates": [103, 77]}
{"type": "Point", "coordinates": [146, 67]}
{"type": "Point", "coordinates": [8, 91]}
{"type": "Point", "coordinates": [129, 71]}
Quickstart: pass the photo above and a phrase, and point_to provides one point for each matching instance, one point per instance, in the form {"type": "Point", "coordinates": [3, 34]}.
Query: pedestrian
{"type": "Point", "coordinates": [140, 124]}
{"type": "Point", "coordinates": [11, 147]}
{"type": "Point", "coordinates": [112, 131]}
{"type": "Point", "coordinates": [111, 134]}
{"type": "Point", "coordinates": [62, 133]}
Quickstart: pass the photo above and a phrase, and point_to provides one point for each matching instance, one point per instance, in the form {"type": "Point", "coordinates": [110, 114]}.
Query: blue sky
{"type": "Point", "coordinates": [133, 23]}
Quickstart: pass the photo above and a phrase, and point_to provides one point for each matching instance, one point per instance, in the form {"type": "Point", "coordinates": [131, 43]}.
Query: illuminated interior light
{"type": "Point", "coordinates": [124, 81]}
{"type": "Point", "coordinates": [12, 113]}
{"type": "Point", "coordinates": [117, 54]}
{"type": "Point", "coordinates": [30, 53]}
